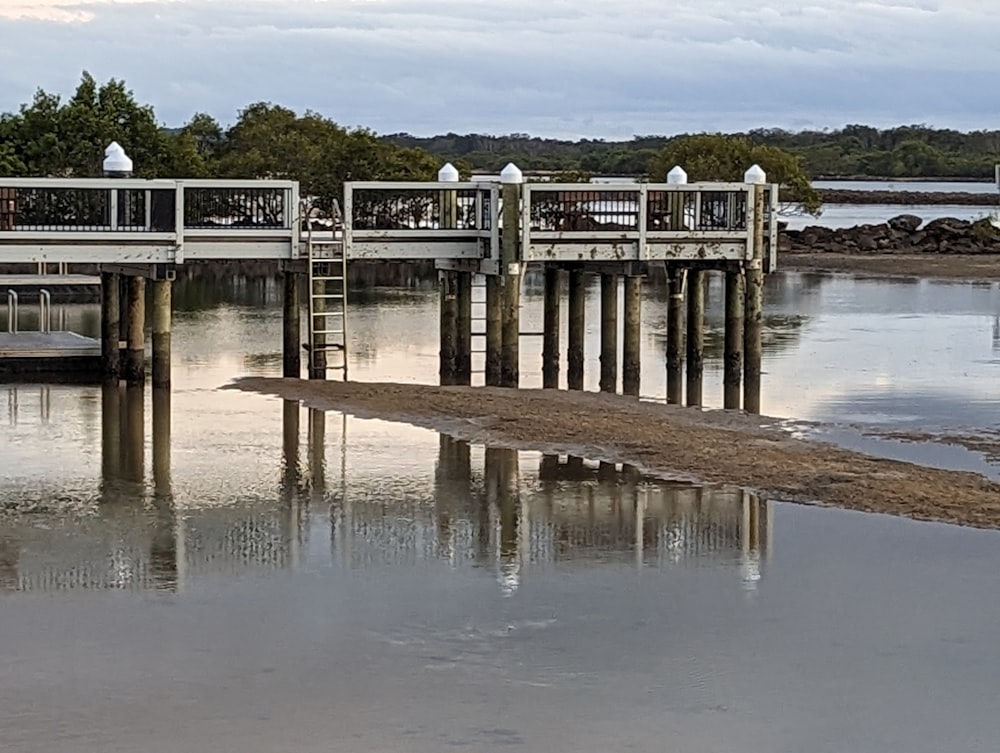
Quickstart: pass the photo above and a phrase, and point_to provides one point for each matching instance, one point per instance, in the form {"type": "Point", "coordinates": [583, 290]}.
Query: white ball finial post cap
{"type": "Point", "coordinates": [448, 174]}
{"type": "Point", "coordinates": [116, 162]}
{"type": "Point", "coordinates": [511, 174]}
{"type": "Point", "coordinates": [677, 176]}
{"type": "Point", "coordinates": [755, 176]}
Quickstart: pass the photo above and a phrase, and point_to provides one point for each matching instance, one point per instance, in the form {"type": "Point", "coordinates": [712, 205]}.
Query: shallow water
{"type": "Point", "coordinates": [284, 579]}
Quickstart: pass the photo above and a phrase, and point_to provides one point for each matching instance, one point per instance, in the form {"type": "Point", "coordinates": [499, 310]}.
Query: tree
{"type": "Point", "coordinates": [717, 157]}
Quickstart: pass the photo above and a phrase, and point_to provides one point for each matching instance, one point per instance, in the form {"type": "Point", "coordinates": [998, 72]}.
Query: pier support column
{"type": "Point", "coordinates": [754, 310]}
{"type": "Point", "coordinates": [463, 342]}
{"type": "Point", "coordinates": [609, 333]}
{"type": "Point", "coordinates": [161, 440]}
{"type": "Point", "coordinates": [162, 305]}
{"type": "Point", "coordinates": [494, 329]}
{"type": "Point", "coordinates": [110, 329]}
{"type": "Point", "coordinates": [511, 270]}
{"type": "Point", "coordinates": [448, 326]}
{"type": "Point", "coordinates": [550, 328]}
{"type": "Point", "coordinates": [291, 340]}
{"type": "Point", "coordinates": [732, 376]}
{"type": "Point", "coordinates": [134, 367]}
{"type": "Point", "coordinates": [675, 333]}
{"type": "Point", "coordinates": [696, 335]}
{"type": "Point", "coordinates": [577, 329]}
{"type": "Point", "coordinates": [632, 335]}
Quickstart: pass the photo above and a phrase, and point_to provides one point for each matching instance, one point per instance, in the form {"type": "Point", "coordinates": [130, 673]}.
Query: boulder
{"type": "Point", "coordinates": [906, 223]}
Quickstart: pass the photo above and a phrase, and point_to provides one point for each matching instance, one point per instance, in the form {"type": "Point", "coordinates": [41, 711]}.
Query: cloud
{"type": "Point", "coordinates": [583, 68]}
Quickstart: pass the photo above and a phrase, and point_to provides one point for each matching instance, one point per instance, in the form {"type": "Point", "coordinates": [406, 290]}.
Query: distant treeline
{"type": "Point", "coordinates": [855, 151]}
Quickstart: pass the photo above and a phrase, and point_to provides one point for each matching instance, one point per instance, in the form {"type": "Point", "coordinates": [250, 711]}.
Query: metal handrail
{"type": "Point", "coordinates": [44, 310]}
{"type": "Point", "coordinates": [12, 315]}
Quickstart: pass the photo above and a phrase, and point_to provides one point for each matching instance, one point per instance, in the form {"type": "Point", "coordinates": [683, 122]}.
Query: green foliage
{"type": "Point", "coordinates": [726, 158]}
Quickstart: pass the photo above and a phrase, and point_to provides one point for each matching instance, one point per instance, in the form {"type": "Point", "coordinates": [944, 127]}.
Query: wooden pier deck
{"type": "Point", "coordinates": [48, 281]}
{"type": "Point", "coordinates": [30, 354]}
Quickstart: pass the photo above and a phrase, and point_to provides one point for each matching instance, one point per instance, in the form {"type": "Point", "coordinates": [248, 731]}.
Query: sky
{"type": "Point", "coordinates": [609, 69]}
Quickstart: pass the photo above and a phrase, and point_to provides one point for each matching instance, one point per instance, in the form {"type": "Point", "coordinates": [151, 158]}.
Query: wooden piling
{"type": "Point", "coordinates": [448, 326]}
{"type": "Point", "coordinates": [134, 435]}
{"type": "Point", "coordinates": [110, 328]}
{"type": "Point", "coordinates": [161, 332]}
{"type": "Point", "coordinates": [577, 329]}
{"type": "Point", "coordinates": [494, 329]}
{"type": "Point", "coordinates": [609, 333]}
{"type": "Point", "coordinates": [732, 375]}
{"type": "Point", "coordinates": [511, 270]}
{"type": "Point", "coordinates": [134, 369]}
{"type": "Point", "coordinates": [111, 432]}
{"type": "Point", "coordinates": [550, 327]}
{"type": "Point", "coordinates": [753, 311]}
{"type": "Point", "coordinates": [675, 334]}
{"type": "Point", "coordinates": [695, 335]}
{"type": "Point", "coordinates": [632, 334]}
{"type": "Point", "coordinates": [161, 439]}
{"type": "Point", "coordinates": [291, 345]}
{"type": "Point", "coordinates": [463, 342]}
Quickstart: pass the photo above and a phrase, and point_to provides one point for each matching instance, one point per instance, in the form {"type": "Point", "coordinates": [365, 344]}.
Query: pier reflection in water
{"type": "Point", "coordinates": [482, 510]}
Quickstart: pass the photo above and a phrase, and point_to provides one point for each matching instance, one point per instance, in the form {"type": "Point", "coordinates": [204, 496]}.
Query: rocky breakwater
{"type": "Point", "coordinates": [911, 198]}
{"type": "Point", "coordinates": [905, 234]}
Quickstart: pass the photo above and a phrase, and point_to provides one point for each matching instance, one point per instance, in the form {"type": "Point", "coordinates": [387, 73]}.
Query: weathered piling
{"type": "Point", "coordinates": [631, 337]}
{"type": "Point", "coordinates": [695, 335]}
{"type": "Point", "coordinates": [675, 333]}
{"type": "Point", "coordinates": [110, 328]}
{"type": "Point", "coordinates": [448, 326]}
{"type": "Point", "coordinates": [111, 431]}
{"type": "Point", "coordinates": [162, 305]}
{"type": "Point", "coordinates": [577, 329]}
{"type": "Point", "coordinates": [754, 301]}
{"type": "Point", "coordinates": [290, 429]}
{"type": "Point", "coordinates": [463, 325]}
{"type": "Point", "coordinates": [291, 328]}
{"type": "Point", "coordinates": [494, 329]}
{"type": "Point", "coordinates": [134, 367]}
{"type": "Point", "coordinates": [511, 179]}
{"type": "Point", "coordinates": [732, 375]}
{"type": "Point", "coordinates": [161, 439]}
{"type": "Point", "coordinates": [134, 434]}
{"type": "Point", "coordinates": [550, 327]}
{"type": "Point", "coordinates": [318, 325]}
{"type": "Point", "coordinates": [609, 333]}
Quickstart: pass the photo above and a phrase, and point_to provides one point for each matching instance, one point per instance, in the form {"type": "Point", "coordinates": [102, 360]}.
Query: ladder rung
{"type": "Point", "coordinates": [327, 295]}
{"type": "Point", "coordinates": [325, 241]}
{"type": "Point", "coordinates": [327, 313]}
{"type": "Point", "coordinates": [328, 332]}
{"type": "Point", "coordinates": [328, 347]}
{"type": "Point", "coordinates": [325, 278]}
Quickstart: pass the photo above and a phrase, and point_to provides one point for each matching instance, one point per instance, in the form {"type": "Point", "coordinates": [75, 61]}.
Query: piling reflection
{"type": "Point", "coordinates": [511, 513]}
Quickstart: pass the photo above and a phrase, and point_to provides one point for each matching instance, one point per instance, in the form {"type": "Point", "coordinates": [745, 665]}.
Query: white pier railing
{"type": "Point", "coordinates": [644, 222]}
{"type": "Point", "coordinates": [384, 220]}
{"type": "Point", "coordinates": [146, 221]}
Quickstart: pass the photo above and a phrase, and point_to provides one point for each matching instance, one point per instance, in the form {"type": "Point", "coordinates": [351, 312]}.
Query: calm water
{"type": "Point", "coordinates": [254, 576]}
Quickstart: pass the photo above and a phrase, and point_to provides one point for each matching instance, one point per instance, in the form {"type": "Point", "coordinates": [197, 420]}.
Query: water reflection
{"type": "Point", "coordinates": [488, 508]}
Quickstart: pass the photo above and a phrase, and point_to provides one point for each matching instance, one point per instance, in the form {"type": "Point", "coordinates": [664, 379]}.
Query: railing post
{"type": "Point", "coordinates": [12, 313]}
{"type": "Point", "coordinates": [179, 222]}
{"type": "Point", "coordinates": [44, 310]}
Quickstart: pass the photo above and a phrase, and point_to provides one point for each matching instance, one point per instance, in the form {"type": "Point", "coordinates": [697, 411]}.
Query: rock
{"type": "Point", "coordinates": [906, 223]}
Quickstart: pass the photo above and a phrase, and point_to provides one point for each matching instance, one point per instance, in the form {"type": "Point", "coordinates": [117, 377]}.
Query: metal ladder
{"type": "Point", "coordinates": [327, 304]}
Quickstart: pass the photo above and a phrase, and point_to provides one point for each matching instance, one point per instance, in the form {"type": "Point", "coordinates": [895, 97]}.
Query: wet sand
{"type": "Point", "coordinates": [943, 266]}
{"type": "Point", "coordinates": [682, 443]}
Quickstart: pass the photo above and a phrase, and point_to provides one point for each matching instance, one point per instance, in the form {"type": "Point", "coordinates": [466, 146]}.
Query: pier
{"type": "Point", "coordinates": [481, 236]}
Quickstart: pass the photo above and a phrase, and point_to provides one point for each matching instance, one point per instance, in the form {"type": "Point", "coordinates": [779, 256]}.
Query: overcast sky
{"type": "Point", "coordinates": [609, 69]}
